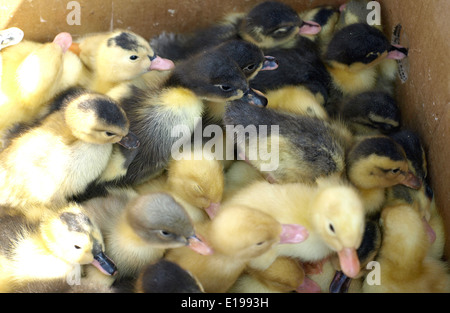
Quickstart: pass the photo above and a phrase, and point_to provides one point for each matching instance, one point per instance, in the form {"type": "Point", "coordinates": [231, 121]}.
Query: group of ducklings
{"type": "Point", "coordinates": [87, 175]}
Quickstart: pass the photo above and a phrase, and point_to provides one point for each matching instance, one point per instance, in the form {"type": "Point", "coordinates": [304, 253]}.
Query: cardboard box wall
{"type": "Point", "coordinates": [423, 98]}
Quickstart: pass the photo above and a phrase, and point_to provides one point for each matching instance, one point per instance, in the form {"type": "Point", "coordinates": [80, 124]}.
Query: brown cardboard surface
{"type": "Point", "coordinates": [424, 98]}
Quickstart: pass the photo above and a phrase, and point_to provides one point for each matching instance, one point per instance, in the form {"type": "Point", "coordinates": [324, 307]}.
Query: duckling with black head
{"type": "Point", "coordinates": [58, 157]}
{"type": "Point", "coordinates": [177, 106]}
{"type": "Point", "coordinates": [52, 248]}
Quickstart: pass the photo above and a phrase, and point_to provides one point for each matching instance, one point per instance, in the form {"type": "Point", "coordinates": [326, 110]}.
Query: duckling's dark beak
{"type": "Point", "coordinates": [340, 283]}
{"type": "Point", "coordinates": [104, 264]}
{"type": "Point", "coordinates": [196, 243]}
{"type": "Point", "coordinates": [411, 181]}
{"type": "Point", "coordinates": [397, 52]}
{"type": "Point", "coordinates": [160, 64]}
{"type": "Point", "coordinates": [255, 97]}
{"type": "Point", "coordinates": [130, 141]}
{"type": "Point", "coordinates": [310, 28]}
{"type": "Point", "coordinates": [270, 63]}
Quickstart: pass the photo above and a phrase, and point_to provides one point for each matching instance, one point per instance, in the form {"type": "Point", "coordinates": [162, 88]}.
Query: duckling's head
{"type": "Point", "coordinates": [160, 221]}
{"type": "Point", "coordinates": [198, 180]}
{"type": "Point", "coordinates": [359, 46]}
{"type": "Point", "coordinates": [165, 276]}
{"type": "Point", "coordinates": [249, 57]}
{"type": "Point", "coordinates": [211, 75]}
{"type": "Point", "coordinates": [379, 162]}
{"type": "Point", "coordinates": [124, 55]}
{"type": "Point", "coordinates": [73, 237]}
{"type": "Point", "coordinates": [371, 113]}
{"type": "Point", "coordinates": [96, 118]}
{"type": "Point", "coordinates": [273, 24]}
{"type": "Point", "coordinates": [246, 233]}
{"type": "Point", "coordinates": [339, 219]}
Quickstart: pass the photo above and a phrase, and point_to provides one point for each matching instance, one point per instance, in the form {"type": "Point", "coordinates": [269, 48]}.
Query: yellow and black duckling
{"type": "Point", "coordinates": [375, 163]}
{"type": "Point", "coordinates": [237, 235]}
{"type": "Point", "coordinates": [269, 24]}
{"type": "Point", "coordinates": [166, 277]}
{"type": "Point", "coordinates": [351, 58]}
{"type": "Point", "coordinates": [115, 57]}
{"type": "Point", "coordinates": [403, 261]}
{"type": "Point", "coordinates": [285, 147]}
{"type": "Point", "coordinates": [138, 229]}
{"type": "Point", "coordinates": [51, 248]}
{"type": "Point", "coordinates": [58, 157]}
{"type": "Point", "coordinates": [371, 113]}
{"type": "Point", "coordinates": [158, 117]}
{"type": "Point", "coordinates": [32, 74]}
{"type": "Point", "coordinates": [332, 212]}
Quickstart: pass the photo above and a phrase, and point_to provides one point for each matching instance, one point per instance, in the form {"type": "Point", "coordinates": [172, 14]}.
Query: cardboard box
{"type": "Point", "coordinates": [423, 98]}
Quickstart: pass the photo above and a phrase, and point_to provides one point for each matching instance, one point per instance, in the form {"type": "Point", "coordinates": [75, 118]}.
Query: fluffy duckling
{"type": "Point", "coordinates": [268, 24]}
{"type": "Point", "coordinates": [238, 176]}
{"type": "Point", "coordinates": [138, 229]}
{"type": "Point", "coordinates": [196, 182]}
{"type": "Point", "coordinates": [371, 113]}
{"type": "Point", "coordinates": [307, 147]}
{"type": "Point", "coordinates": [282, 276]}
{"type": "Point", "coordinates": [62, 154]}
{"type": "Point", "coordinates": [176, 108]}
{"type": "Point", "coordinates": [403, 259]}
{"type": "Point", "coordinates": [32, 74]}
{"type": "Point", "coordinates": [375, 163]}
{"type": "Point", "coordinates": [352, 55]}
{"type": "Point", "coordinates": [236, 235]}
{"type": "Point", "coordinates": [50, 249]}
{"type": "Point", "coordinates": [332, 213]}
{"type": "Point", "coordinates": [166, 277]}
{"type": "Point", "coordinates": [115, 57]}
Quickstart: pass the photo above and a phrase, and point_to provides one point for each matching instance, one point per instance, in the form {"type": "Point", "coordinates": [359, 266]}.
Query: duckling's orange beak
{"type": "Point", "coordinates": [349, 261]}
{"type": "Point", "coordinates": [411, 181]}
{"type": "Point", "coordinates": [197, 244]}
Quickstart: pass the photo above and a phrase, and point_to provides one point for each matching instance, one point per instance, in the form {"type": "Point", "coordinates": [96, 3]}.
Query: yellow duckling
{"type": "Point", "coordinates": [115, 57]}
{"type": "Point", "coordinates": [403, 261]}
{"type": "Point", "coordinates": [52, 249]}
{"type": "Point", "coordinates": [32, 74]}
{"type": "Point", "coordinates": [332, 212]}
{"type": "Point", "coordinates": [236, 235]}
{"type": "Point", "coordinates": [61, 155]}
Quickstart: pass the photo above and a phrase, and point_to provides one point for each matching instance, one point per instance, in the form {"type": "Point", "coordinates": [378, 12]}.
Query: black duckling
{"type": "Point", "coordinates": [165, 276]}
{"type": "Point", "coordinates": [138, 229]}
{"type": "Point", "coordinates": [59, 156]}
{"type": "Point", "coordinates": [375, 163]}
{"type": "Point", "coordinates": [210, 76]}
{"type": "Point", "coordinates": [52, 248]}
{"type": "Point", "coordinates": [371, 113]}
{"type": "Point", "coordinates": [285, 147]}
{"type": "Point", "coordinates": [269, 24]}
{"type": "Point", "coordinates": [352, 55]}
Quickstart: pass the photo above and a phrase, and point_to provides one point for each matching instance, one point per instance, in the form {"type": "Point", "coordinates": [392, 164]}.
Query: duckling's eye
{"type": "Point", "coordinates": [250, 68]}
{"type": "Point", "coordinates": [134, 57]}
{"type": "Point", "coordinates": [165, 233]}
{"type": "Point", "coordinates": [224, 87]}
{"type": "Point", "coordinates": [77, 247]}
{"type": "Point", "coordinates": [282, 31]}
{"type": "Point", "coordinates": [109, 134]}
{"type": "Point", "coordinates": [260, 243]}
{"type": "Point", "coordinates": [395, 171]}
{"type": "Point", "coordinates": [331, 228]}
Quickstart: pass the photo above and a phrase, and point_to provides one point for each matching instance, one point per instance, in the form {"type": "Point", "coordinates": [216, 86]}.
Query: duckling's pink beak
{"type": "Point", "coordinates": [160, 64]}
{"type": "Point", "coordinates": [212, 209]}
{"type": "Point", "coordinates": [349, 261]}
{"type": "Point", "coordinates": [310, 28]}
{"type": "Point", "coordinates": [411, 181]}
{"type": "Point", "coordinates": [293, 233]}
{"type": "Point", "coordinates": [64, 40]}
{"type": "Point", "coordinates": [197, 244]}
{"type": "Point", "coordinates": [397, 52]}
{"type": "Point", "coordinates": [104, 264]}
{"type": "Point", "coordinates": [429, 230]}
